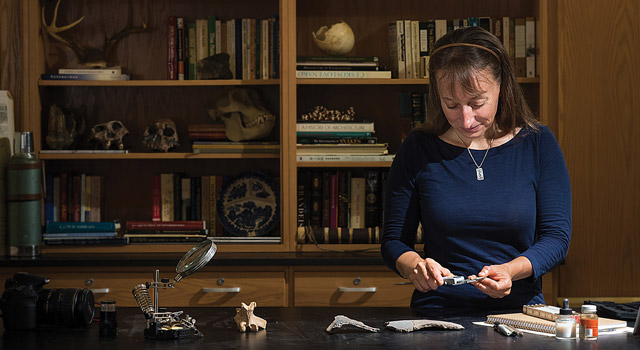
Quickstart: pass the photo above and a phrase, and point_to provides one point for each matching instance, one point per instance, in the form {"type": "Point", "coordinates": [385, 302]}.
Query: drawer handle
{"type": "Point", "coordinates": [100, 291]}
{"type": "Point", "coordinates": [221, 290]}
{"type": "Point", "coordinates": [357, 290]}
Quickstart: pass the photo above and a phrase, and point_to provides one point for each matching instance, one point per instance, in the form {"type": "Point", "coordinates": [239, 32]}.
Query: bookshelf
{"type": "Point", "coordinates": [149, 95]}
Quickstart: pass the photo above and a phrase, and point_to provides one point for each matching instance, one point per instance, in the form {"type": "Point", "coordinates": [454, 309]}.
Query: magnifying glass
{"type": "Point", "coordinates": [195, 259]}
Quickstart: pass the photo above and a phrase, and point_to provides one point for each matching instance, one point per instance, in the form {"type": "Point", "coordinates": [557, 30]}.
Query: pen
{"type": "Point", "coordinates": [506, 330]}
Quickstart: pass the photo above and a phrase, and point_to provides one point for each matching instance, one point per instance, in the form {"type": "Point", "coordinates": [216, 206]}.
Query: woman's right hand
{"type": "Point", "coordinates": [427, 275]}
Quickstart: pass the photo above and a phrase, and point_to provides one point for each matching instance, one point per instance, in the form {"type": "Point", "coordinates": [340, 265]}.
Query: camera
{"type": "Point", "coordinates": [25, 304]}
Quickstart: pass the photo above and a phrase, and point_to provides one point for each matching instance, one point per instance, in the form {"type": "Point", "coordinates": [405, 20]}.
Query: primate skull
{"type": "Point", "coordinates": [64, 128]}
{"type": "Point", "coordinates": [243, 114]}
{"type": "Point", "coordinates": [161, 135]}
{"type": "Point", "coordinates": [109, 135]}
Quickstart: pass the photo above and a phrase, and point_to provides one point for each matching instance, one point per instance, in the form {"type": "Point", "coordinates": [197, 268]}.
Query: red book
{"type": "Point", "coordinates": [208, 135]}
{"type": "Point", "coordinates": [172, 59]}
{"type": "Point", "coordinates": [77, 192]}
{"type": "Point", "coordinates": [166, 225]}
{"type": "Point", "coordinates": [155, 198]}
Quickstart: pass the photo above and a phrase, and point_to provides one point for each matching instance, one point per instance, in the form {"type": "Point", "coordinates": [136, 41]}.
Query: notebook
{"type": "Point", "coordinates": [532, 323]}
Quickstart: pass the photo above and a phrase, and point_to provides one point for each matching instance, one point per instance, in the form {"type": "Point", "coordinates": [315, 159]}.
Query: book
{"type": "Point", "coordinates": [167, 209]}
{"type": "Point", "coordinates": [116, 70]}
{"type": "Point", "coordinates": [235, 147]}
{"type": "Point", "coordinates": [372, 200]}
{"type": "Point", "coordinates": [338, 235]}
{"type": "Point", "coordinates": [347, 126]}
{"type": "Point", "coordinates": [357, 203]}
{"type": "Point", "coordinates": [338, 68]}
{"type": "Point", "coordinates": [79, 234]}
{"type": "Point", "coordinates": [86, 241]}
{"type": "Point", "coordinates": [396, 51]}
{"type": "Point", "coordinates": [316, 198]}
{"type": "Point", "coordinates": [205, 127]}
{"type": "Point", "coordinates": [345, 158]}
{"type": "Point", "coordinates": [331, 149]}
{"type": "Point", "coordinates": [520, 48]}
{"type": "Point", "coordinates": [533, 323]}
{"type": "Point", "coordinates": [84, 151]}
{"type": "Point", "coordinates": [207, 135]}
{"type": "Point", "coordinates": [84, 77]}
{"type": "Point", "coordinates": [164, 239]}
{"type": "Point", "coordinates": [530, 47]}
{"type": "Point", "coordinates": [166, 225]}
{"type": "Point", "coordinates": [245, 240]}
{"type": "Point", "coordinates": [191, 50]}
{"type": "Point", "coordinates": [547, 312]}
{"type": "Point", "coordinates": [70, 227]}
{"type": "Point", "coordinates": [339, 59]}
{"type": "Point", "coordinates": [172, 62]}
{"type": "Point", "coordinates": [180, 47]}
{"type": "Point", "coordinates": [156, 198]}
{"type": "Point", "coordinates": [322, 74]}
{"type": "Point", "coordinates": [337, 140]}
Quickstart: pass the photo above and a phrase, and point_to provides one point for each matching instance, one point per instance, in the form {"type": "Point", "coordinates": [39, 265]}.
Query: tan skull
{"type": "Point", "coordinates": [109, 135]}
{"type": "Point", "coordinates": [243, 114]}
{"type": "Point", "coordinates": [161, 135]}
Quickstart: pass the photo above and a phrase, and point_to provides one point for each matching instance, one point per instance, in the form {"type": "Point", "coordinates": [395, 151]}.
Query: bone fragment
{"type": "Point", "coordinates": [414, 325]}
{"type": "Point", "coordinates": [341, 320]}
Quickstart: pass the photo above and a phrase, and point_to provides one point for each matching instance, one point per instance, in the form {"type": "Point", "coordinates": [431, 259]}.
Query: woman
{"type": "Point", "coordinates": [488, 183]}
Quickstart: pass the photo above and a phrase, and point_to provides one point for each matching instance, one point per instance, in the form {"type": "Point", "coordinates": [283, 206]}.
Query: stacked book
{"type": "Point", "coordinates": [166, 231]}
{"type": "Point", "coordinates": [235, 147]}
{"type": "Point", "coordinates": [109, 73]}
{"type": "Point", "coordinates": [338, 138]}
{"type": "Point", "coordinates": [82, 233]}
{"type": "Point", "coordinates": [340, 67]}
{"type": "Point", "coordinates": [206, 132]}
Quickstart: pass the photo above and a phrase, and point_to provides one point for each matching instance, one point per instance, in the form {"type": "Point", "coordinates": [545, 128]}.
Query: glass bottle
{"type": "Point", "coordinates": [566, 324]}
{"type": "Point", "coordinates": [588, 322]}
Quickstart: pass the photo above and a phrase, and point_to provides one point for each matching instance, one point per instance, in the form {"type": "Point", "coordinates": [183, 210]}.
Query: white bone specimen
{"type": "Point", "coordinates": [245, 319]}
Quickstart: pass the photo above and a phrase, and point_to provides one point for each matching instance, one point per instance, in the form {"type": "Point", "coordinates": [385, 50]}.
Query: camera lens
{"type": "Point", "coordinates": [68, 307]}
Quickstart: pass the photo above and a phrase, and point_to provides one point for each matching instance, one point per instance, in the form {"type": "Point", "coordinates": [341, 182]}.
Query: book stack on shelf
{"type": "Point", "coordinates": [73, 197]}
{"type": "Point", "coordinates": [82, 233]}
{"type": "Point", "coordinates": [341, 140]}
{"type": "Point", "coordinates": [206, 132]}
{"type": "Point", "coordinates": [109, 73]}
{"type": "Point", "coordinates": [251, 45]}
{"type": "Point", "coordinates": [235, 147]}
{"type": "Point", "coordinates": [340, 67]}
{"type": "Point", "coordinates": [411, 42]}
{"type": "Point", "coordinates": [340, 206]}
{"type": "Point", "coordinates": [177, 197]}
{"type": "Point", "coordinates": [166, 231]}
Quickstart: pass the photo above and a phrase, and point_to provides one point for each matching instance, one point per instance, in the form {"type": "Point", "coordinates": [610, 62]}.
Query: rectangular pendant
{"type": "Point", "coordinates": [479, 174]}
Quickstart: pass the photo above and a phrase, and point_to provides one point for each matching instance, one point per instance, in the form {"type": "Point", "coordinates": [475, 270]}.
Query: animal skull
{"type": "Point", "coordinates": [161, 135]}
{"type": "Point", "coordinates": [243, 114]}
{"type": "Point", "coordinates": [109, 135]}
{"type": "Point", "coordinates": [64, 129]}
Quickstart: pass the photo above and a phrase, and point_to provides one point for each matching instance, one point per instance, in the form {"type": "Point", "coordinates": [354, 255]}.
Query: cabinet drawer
{"type": "Point", "coordinates": [365, 288]}
{"type": "Point", "coordinates": [224, 288]}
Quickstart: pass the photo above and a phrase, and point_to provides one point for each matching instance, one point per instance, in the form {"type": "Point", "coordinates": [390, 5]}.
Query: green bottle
{"type": "Point", "coordinates": [24, 192]}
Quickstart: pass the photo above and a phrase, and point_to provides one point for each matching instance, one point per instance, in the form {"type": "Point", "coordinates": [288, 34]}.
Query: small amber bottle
{"type": "Point", "coordinates": [588, 323]}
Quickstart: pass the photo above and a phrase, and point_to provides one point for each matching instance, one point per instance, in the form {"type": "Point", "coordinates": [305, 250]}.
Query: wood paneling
{"type": "Point", "coordinates": [599, 132]}
{"type": "Point", "coordinates": [11, 54]}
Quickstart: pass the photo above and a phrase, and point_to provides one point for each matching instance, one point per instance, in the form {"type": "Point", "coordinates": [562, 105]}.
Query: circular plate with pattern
{"type": "Point", "coordinates": [249, 205]}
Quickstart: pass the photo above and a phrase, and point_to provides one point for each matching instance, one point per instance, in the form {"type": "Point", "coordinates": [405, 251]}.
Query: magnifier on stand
{"type": "Point", "coordinates": [169, 325]}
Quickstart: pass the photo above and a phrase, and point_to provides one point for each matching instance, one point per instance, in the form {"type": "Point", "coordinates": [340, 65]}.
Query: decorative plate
{"type": "Point", "coordinates": [249, 205]}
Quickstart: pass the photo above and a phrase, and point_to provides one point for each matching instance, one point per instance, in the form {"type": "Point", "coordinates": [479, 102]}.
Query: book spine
{"type": "Point", "coordinates": [167, 197]}
{"type": "Point", "coordinates": [338, 235]}
{"type": "Point", "coordinates": [338, 140]}
{"type": "Point", "coordinates": [343, 198]}
{"type": "Point", "coordinates": [338, 68]}
{"type": "Point", "coordinates": [316, 198]}
{"type": "Point", "coordinates": [115, 71]}
{"type": "Point", "coordinates": [87, 241]}
{"type": "Point", "coordinates": [219, 228]}
{"type": "Point", "coordinates": [177, 197]}
{"type": "Point", "coordinates": [346, 158]}
{"type": "Point", "coordinates": [166, 225]}
{"type": "Point", "coordinates": [102, 77]}
{"type": "Point", "coordinates": [238, 48]}
{"type": "Point", "coordinates": [78, 234]}
{"type": "Point", "coordinates": [185, 198]}
{"type": "Point", "coordinates": [372, 200]}
{"type": "Point", "coordinates": [333, 134]}
{"type": "Point", "coordinates": [172, 240]}
{"type": "Point", "coordinates": [520, 47]}
{"type": "Point", "coordinates": [423, 47]}
{"type": "Point", "coordinates": [77, 193]}
{"type": "Point", "coordinates": [156, 198]}
{"type": "Point", "coordinates": [408, 50]}
{"type": "Point", "coordinates": [302, 208]}
{"type": "Point", "coordinates": [345, 59]}
{"type": "Point", "coordinates": [70, 197]}
{"type": "Point", "coordinates": [202, 42]}
{"type": "Point", "coordinates": [152, 232]}
{"type": "Point", "coordinates": [211, 35]}
{"type": "Point", "coordinates": [48, 199]}
{"type": "Point", "coordinates": [191, 54]}
{"type": "Point", "coordinates": [96, 198]}
{"type": "Point", "coordinates": [322, 74]}
{"type": "Point", "coordinates": [326, 198]}
{"type": "Point", "coordinates": [333, 201]}
{"type": "Point", "coordinates": [70, 227]}
{"type": "Point", "coordinates": [64, 206]}
{"type": "Point", "coordinates": [180, 47]}
{"type": "Point", "coordinates": [205, 201]}
{"type": "Point", "coordinates": [83, 196]}
{"type": "Point", "coordinates": [357, 203]}
{"type": "Point", "coordinates": [530, 43]}
{"type": "Point", "coordinates": [334, 127]}
{"type": "Point", "coordinates": [56, 198]}
{"type": "Point", "coordinates": [213, 205]}
{"type": "Point", "coordinates": [87, 198]}
{"type": "Point", "coordinates": [172, 72]}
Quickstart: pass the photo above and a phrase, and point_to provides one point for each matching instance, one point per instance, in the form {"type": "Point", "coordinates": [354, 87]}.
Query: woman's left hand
{"type": "Point", "coordinates": [497, 283]}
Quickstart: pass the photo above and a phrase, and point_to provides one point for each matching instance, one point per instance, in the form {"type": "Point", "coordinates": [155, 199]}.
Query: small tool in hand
{"type": "Point", "coordinates": [451, 281]}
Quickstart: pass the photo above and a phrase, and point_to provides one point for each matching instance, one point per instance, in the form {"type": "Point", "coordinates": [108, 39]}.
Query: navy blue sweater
{"type": "Point", "coordinates": [521, 208]}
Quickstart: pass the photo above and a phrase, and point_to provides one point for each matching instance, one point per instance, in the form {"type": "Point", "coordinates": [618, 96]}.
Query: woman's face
{"type": "Point", "coordinates": [471, 114]}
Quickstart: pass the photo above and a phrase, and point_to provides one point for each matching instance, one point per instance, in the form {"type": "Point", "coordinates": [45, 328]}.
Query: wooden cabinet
{"type": "Point", "coordinates": [208, 288]}
{"type": "Point", "coordinates": [349, 287]}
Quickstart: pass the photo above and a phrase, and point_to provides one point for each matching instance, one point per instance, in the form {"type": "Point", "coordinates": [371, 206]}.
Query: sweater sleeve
{"type": "Point", "coordinates": [553, 207]}
{"type": "Point", "coordinates": [402, 208]}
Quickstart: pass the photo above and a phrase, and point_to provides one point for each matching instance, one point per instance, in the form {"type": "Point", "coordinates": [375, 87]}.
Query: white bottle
{"type": "Point", "coordinates": [566, 324]}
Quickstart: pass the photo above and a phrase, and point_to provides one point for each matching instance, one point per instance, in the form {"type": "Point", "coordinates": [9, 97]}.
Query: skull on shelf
{"type": "Point", "coordinates": [161, 135]}
{"type": "Point", "coordinates": [109, 135]}
{"type": "Point", "coordinates": [64, 128]}
{"type": "Point", "coordinates": [243, 114]}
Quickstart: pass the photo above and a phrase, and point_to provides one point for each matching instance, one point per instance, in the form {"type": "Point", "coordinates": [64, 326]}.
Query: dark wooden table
{"type": "Point", "coordinates": [300, 328]}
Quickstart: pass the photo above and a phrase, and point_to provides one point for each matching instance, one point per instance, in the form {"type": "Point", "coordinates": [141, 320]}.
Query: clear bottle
{"type": "Point", "coordinates": [566, 324]}
{"type": "Point", "coordinates": [588, 323]}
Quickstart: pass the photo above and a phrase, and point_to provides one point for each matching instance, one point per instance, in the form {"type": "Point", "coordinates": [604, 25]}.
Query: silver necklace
{"type": "Point", "coordinates": [479, 171]}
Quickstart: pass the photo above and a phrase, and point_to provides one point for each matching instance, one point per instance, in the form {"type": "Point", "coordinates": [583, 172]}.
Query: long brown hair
{"type": "Point", "coordinates": [461, 64]}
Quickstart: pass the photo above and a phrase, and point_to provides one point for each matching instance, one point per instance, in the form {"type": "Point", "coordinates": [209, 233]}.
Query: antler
{"type": "Point", "coordinates": [90, 56]}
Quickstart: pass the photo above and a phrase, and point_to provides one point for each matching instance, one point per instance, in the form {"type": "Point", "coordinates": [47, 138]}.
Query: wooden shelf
{"type": "Point", "coordinates": [161, 83]}
{"type": "Point", "coordinates": [169, 155]}
{"type": "Point", "coordinates": [535, 80]}
{"type": "Point", "coordinates": [343, 164]}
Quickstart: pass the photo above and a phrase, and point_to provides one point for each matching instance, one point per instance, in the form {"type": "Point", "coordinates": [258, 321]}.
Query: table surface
{"type": "Point", "coordinates": [301, 328]}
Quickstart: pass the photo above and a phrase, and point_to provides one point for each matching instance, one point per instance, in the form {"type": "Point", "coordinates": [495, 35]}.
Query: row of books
{"type": "Point", "coordinates": [411, 42]}
{"type": "Point", "coordinates": [252, 46]}
{"type": "Point", "coordinates": [177, 197]}
{"type": "Point", "coordinates": [235, 147]}
{"type": "Point", "coordinates": [109, 73]}
{"type": "Point", "coordinates": [73, 197]}
{"type": "Point", "coordinates": [412, 108]}
{"type": "Point", "coordinates": [340, 67]}
{"type": "Point", "coordinates": [352, 137]}
{"type": "Point", "coordinates": [340, 198]}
